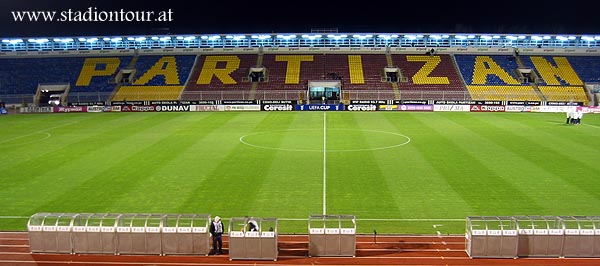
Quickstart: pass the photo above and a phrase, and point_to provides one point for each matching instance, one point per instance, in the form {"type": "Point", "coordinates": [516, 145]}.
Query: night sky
{"type": "Point", "coordinates": [285, 16]}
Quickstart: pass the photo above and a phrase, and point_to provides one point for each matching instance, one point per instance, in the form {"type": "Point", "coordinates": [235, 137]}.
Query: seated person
{"type": "Point", "coordinates": [252, 225]}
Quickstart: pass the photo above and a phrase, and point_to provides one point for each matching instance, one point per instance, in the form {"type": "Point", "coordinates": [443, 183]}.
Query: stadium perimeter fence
{"type": "Point", "coordinates": [29, 99]}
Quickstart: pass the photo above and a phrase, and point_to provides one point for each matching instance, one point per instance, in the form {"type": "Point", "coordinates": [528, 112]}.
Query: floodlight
{"type": "Point", "coordinates": [260, 37]}
{"type": "Point", "coordinates": [286, 37]}
{"type": "Point", "coordinates": [312, 37]}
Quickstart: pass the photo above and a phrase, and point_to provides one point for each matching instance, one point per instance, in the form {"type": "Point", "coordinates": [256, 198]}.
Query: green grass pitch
{"type": "Point", "coordinates": [408, 173]}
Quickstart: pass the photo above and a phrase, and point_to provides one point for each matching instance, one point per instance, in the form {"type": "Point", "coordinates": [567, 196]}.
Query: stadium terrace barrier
{"type": "Point", "coordinates": [533, 236]}
{"type": "Point", "coordinates": [276, 95]}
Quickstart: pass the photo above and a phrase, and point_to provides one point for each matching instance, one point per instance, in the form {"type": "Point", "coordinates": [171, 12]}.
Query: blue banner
{"type": "Point", "coordinates": [320, 107]}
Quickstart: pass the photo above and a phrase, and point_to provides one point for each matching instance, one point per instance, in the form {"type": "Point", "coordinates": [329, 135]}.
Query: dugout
{"type": "Point", "coordinates": [139, 234]}
{"type": "Point", "coordinates": [255, 244]}
{"type": "Point", "coordinates": [582, 236]}
{"type": "Point", "coordinates": [540, 236]}
{"type": "Point", "coordinates": [95, 233]}
{"type": "Point", "coordinates": [50, 232]}
{"type": "Point", "coordinates": [186, 234]}
{"type": "Point", "coordinates": [332, 235]}
{"type": "Point", "coordinates": [491, 237]}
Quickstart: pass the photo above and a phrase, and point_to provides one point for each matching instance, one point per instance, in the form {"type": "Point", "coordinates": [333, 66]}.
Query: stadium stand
{"type": "Point", "coordinates": [559, 80]}
{"type": "Point", "coordinates": [291, 71]}
{"type": "Point", "coordinates": [494, 77]}
{"type": "Point", "coordinates": [220, 76]}
{"type": "Point", "coordinates": [564, 94]}
{"type": "Point", "coordinates": [586, 67]}
{"type": "Point", "coordinates": [361, 75]}
{"type": "Point", "coordinates": [96, 74]}
{"type": "Point", "coordinates": [430, 77]}
{"type": "Point", "coordinates": [159, 78]}
{"type": "Point", "coordinates": [23, 75]}
{"type": "Point", "coordinates": [357, 72]}
{"type": "Point", "coordinates": [503, 93]}
{"type": "Point", "coordinates": [285, 76]}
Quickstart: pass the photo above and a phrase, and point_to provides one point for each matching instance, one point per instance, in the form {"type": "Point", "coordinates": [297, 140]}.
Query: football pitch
{"type": "Point", "coordinates": [397, 172]}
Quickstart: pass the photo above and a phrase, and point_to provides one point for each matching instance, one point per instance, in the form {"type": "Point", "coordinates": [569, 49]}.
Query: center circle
{"type": "Point", "coordinates": [336, 140]}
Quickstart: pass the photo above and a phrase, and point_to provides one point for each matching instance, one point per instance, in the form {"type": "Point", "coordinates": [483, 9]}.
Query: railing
{"type": "Point", "coordinates": [28, 99]}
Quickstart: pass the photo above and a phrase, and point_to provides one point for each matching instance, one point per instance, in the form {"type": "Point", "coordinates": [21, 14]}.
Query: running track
{"type": "Point", "coordinates": [293, 250]}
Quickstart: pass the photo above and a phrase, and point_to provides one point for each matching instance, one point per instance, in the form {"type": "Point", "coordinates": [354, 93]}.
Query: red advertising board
{"type": "Point", "coordinates": [488, 108]}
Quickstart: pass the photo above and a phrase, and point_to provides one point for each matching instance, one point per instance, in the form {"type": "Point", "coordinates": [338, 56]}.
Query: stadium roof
{"type": "Point", "coordinates": [296, 40]}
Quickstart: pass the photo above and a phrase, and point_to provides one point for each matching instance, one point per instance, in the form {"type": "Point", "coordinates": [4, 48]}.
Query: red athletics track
{"type": "Point", "coordinates": [293, 250]}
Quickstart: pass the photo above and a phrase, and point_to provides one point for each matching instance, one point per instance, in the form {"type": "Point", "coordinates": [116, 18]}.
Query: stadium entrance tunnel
{"type": "Point", "coordinates": [330, 140]}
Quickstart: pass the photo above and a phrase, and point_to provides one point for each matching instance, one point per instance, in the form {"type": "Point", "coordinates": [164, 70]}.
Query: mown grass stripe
{"type": "Point", "coordinates": [293, 182]}
{"type": "Point", "coordinates": [101, 188]}
{"type": "Point", "coordinates": [452, 153]}
{"type": "Point", "coordinates": [414, 180]}
{"type": "Point", "coordinates": [356, 184]}
{"type": "Point", "coordinates": [565, 178]}
{"type": "Point", "coordinates": [230, 189]}
{"type": "Point", "coordinates": [57, 166]}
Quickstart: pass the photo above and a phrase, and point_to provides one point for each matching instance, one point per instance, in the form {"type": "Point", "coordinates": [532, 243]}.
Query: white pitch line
{"type": "Point", "coordinates": [416, 220]}
{"type": "Point", "coordinates": [591, 125]}
{"type": "Point", "coordinates": [324, 163]}
{"type": "Point", "coordinates": [304, 219]}
{"type": "Point", "coordinates": [36, 132]}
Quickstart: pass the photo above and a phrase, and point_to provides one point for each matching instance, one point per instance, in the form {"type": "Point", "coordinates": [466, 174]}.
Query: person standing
{"type": "Point", "coordinates": [216, 230]}
{"type": "Point", "coordinates": [578, 116]}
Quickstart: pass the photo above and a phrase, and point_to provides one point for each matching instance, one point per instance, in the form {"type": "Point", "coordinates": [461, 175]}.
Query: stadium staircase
{"type": "Point", "coordinates": [390, 63]}
{"type": "Point", "coordinates": [118, 85]}
{"type": "Point", "coordinates": [259, 62]}
{"type": "Point", "coordinates": [533, 84]}
{"type": "Point", "coordinates": [493, 78]}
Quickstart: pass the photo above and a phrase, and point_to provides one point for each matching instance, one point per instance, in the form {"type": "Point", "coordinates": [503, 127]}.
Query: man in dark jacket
{"type": "Point", "coordinates": [216, 230]}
